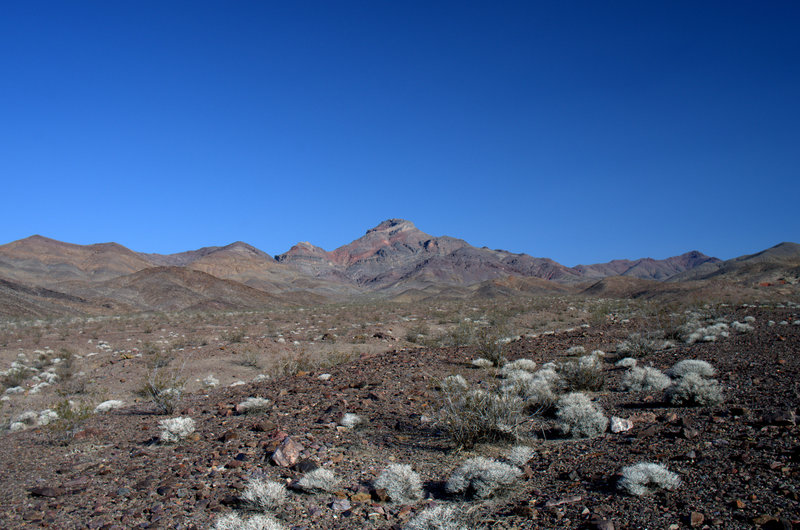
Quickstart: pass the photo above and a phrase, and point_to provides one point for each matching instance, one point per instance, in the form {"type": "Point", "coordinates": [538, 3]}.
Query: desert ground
{"type": "Point", "coordinates": [361, 388]}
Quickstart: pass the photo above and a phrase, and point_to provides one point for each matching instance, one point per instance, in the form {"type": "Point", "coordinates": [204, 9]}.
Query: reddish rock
{"type": "Point", "coordinates": [288, 453]}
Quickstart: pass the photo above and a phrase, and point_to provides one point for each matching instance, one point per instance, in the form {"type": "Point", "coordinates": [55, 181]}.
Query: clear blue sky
{"type": "Point", "coordinates": [581, 131]}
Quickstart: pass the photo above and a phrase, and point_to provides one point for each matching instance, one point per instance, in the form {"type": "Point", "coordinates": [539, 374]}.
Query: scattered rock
{"type": "Point", "coordinates": [340, 505]}
{"type": "Point", "coordinates": [288, 453]}
{"type": "Point", "coordinates": [620, 424]}
{"type": "Point", "coordinates": [696, 519]}
{"type": "Point", "coordinates": [46, 491]}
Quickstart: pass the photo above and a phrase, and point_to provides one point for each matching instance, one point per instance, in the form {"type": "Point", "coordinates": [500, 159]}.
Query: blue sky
{"type": "Point", "coordinates": [580, 131]}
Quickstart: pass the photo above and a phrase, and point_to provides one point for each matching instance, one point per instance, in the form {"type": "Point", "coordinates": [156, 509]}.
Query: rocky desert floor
{"type": "Point", "coordinates": [738, 462]}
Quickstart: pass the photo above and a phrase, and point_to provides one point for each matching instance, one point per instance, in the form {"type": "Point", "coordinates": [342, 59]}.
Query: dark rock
{"type": "Point", "coordinates": [46, 491]}
{"type": "Point", "coordinates": [305, 465]}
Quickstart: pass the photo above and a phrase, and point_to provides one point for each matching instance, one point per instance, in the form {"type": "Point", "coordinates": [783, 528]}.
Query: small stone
{"type": "Point", "coordinates": [288, 453]}
{"type": "Point", "coordinates": [764, 519]}
{"type": "Point", "coordinates": [46, 491]}
{"type": "Point", "coordinates": [305, 465]}
{"type": "Point", "coordinates": [696, 519]}
{"type": "Point", "coordinates": [620, 424]}
{"type": "Point", "coordinates": [381, 495]}
{"type": "Point", "coordinates": [361, 497]}
{"type": "Point", "coordinates": [340, 505]}
{"type": "Point", "coordinates": [648, 432]}
{"type": "Point", "coordinates": [739, 504]}
{"type": "Point", "coordinates": [689, 433]}
{"type": "Point", "coordinates": [784, 418]}
{"type": "Point", "coordinates": [601, 524]}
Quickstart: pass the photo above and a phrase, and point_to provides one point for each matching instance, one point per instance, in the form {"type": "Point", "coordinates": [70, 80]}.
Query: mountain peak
{"type": "Point", "coordinates": [393, 225]}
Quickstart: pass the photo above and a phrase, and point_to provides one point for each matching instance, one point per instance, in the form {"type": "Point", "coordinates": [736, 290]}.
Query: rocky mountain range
{"type": "Point", "coordinates": [42, 276]}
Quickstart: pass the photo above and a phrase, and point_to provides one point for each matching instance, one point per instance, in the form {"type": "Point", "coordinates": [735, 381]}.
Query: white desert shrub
{"type": "Point", "coordinates": [173, 430]}
{"type": "Point", "coordinates": [694, 389]}
{"type": "Point", "coordinates": [519, 455]}
{"type": "Point", "coordinates": [576, 350]}
{"type": "Point", "coordinates": [210, 381]}
{"type": "Point", "coordinates": [481, 477]}
{"type": "Point", "coordinates": [350, 420]}
{"type": "Point", "coordinates": [476, 415]}
{"type": "Point", "coordinates": [401, 483]}
{"type": "Point", "coordinates": [640, 479]}
{"type": "Point", "coordinates": [264, 494]}
{"type": "Point", "coordinates": [579, 417]}
{"type": "Point", "coordinates": [692, 366]}
{"type": "Point", "coordinates": [17, 426]}
{"type": "Point", "coordinates": [537, 394]}
{"type": "Point", "coordinates": [15, 390]}
{"type": "Point", "coordinates": [514, 375]}
{"type": "Point", "coordinates": [740, 327]}
{"type": "Point", "coordinates": [627, 362]}
{"type": "Point", "coordinates": [254, 405]}
{"type": "Point", "coordinates": [749, 319]}
{"type": "Point", "coordinates": [482, 363]}
{"type": "Point", "coordinates": [437, 518]}
{"type": "Point", "coordinates": [521, 364]}
{"type": "Point", "coordinates": [46, 417]}
{"type": "Point", "coordinates": [28, 417]}
{"type": "Point", "coordinates": [111, 404]}
{"type": "Point", "coordinates": [454, 383]}
{"type": "Point", "coordinates": [319, 479]}
{"type": "Point", "coordinates": [233, 521]}
{"type": "Point", "coordinates": [647, 379]}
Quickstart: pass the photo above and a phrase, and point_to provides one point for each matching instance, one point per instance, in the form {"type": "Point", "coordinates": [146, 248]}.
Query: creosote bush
{"type": "Point", "coordinates": [264, 494]}
{"type": "Point", "coordinates": [437, 518]}
{"type": "Point", "coordinates": [401, 483]}
{"type": "Point", "coordinates": [164, 388]}
{"type": "Point", "coordinates": [471, 416]}
{"type": "Point", "coordinates": [579, 417]}
{"type": "Point", "coordinates": [639, 479]}
{"type": "Point", "coordinates": [173, 430]}
{"type": "Point", "coordinates": [646, 379]}
{"type": "Point", "coordinates": [584, 374]}
{"type": "Point", "coordinates": [319, 479]}
{"type": "Point", "coordinates": [481, 477]}
{"type": "Point", "coordinates": [640, 344]}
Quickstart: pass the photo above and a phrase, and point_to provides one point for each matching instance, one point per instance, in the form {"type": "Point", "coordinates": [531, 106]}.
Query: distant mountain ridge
{"type": "Point", "coordinates": [394, 259]}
